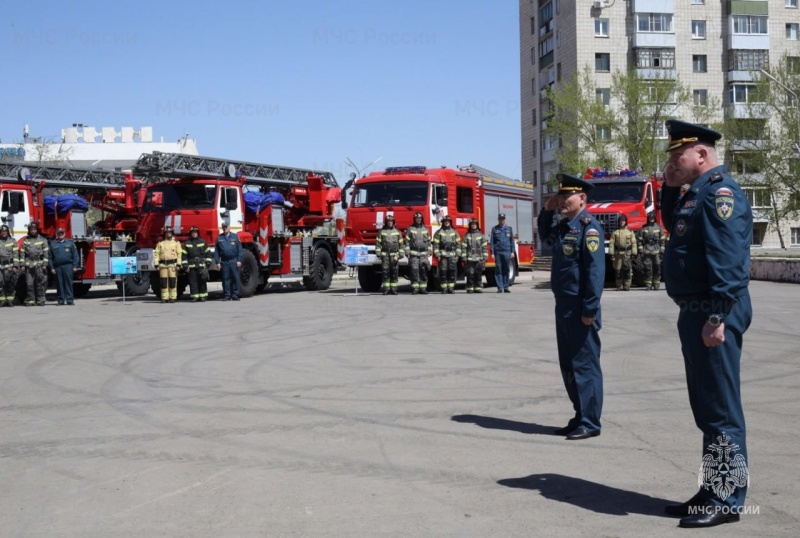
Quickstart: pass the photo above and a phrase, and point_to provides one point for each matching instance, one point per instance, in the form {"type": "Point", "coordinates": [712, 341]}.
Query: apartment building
{"type": "Point", "coordinates": [716, 47]}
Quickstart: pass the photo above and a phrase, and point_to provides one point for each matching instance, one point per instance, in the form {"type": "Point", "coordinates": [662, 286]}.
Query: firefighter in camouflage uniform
{"type": "Point", "coordinates": [197, 258]}
{"type": "Point", "coordinates": [651, 247]}
{"type": "Point", "coordinates": [167, 260]}
{"type": "Point", "coordinates": [475, 250]}
{"type": "Point", "coordinates": [9, 253]}
{"type": "Point", "coordinates": [34, 255]}
{"type": "Point", "coordinates": [621, 247]}
{"type": "Point", "coordinates": [389, 248]}
{"type": "Point", "coordinates": [447, 249]}
{"type": "Point", "coordinates": [418, 248]}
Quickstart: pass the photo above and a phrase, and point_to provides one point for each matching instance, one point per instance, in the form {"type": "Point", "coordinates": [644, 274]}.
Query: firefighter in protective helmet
{"type": "Point", "coordinates": [418, 249]}
{"type": "Point", "coordinates": [621, 247]}
{"type": "Point", "coordinates": [9, 253]}
{"type": "Point", "coordinates": [196, 256]}
{"type": "Point", "coordinates": [167, 260]}
{"type": "Point", "coordinates": [475, 250]}
{"type": "Point", "coordinates": [34, 255]}
{"type": "Point", "coordinates": [447, 249]}
{"type": "Point", "coordinates": [651, 247]}
{"type": "Point", "coordinates": [389, 248]}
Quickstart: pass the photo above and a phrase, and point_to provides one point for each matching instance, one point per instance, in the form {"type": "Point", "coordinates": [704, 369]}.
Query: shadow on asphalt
{"type": "Point", "coordinates": [589, 495]}
{"type": "Point", "coordinates": [493, 423]}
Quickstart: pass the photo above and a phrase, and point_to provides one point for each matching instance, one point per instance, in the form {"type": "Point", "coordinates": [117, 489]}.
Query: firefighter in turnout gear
{"type": "Point", "coordinates": [447, 249]}
{"type": "Point", "coordinates": [34, 255]}
{"type": "Point", "coordinates": [389, 248]}
{"type": "Point", "coordinates": [9, 253]}
{"type": "Point", "coordinates": [167, 259]}
{"type": "Point", "coordinates": [196, 256]}
{"type": "Point", "coordinates": [418, 249]}
{"type": "Point", "coordinates": [621, 247]}
{"type": "Point", "coordinates": [475, 250]}
{"type": "Point", "coordinates": [651, 248]}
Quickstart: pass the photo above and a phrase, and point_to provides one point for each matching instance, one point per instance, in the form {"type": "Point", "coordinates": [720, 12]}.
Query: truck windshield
{"type": "Point", "coordinates": [389, 193]}
{"type": "Point", "coordinates": [615, 192]}
{"type": "Point", "coordinates": [181, 196]}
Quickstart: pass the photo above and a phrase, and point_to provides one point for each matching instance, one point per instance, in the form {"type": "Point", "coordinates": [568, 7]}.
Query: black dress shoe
{"type": "Point", "coordinates": [682, 509]}
{"type": "Point", "coordinates": [708, 515]}
{"type": "Point", "coordinates": [564, 431]}
{"type": "Point", "coordinates": [582, 433]}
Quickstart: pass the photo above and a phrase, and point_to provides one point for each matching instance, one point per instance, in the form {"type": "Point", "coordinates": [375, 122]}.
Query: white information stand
{"type": "Point", "coordinates": [121, 266]}
{"type": "Point", "coordinates": [355, 256]}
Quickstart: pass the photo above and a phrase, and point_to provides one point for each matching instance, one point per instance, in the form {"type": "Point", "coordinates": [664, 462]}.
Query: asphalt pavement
{"type": "Point", "coordinates": [337, 413]}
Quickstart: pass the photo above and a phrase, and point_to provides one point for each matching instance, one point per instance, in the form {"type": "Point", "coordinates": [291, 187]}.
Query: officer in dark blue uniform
{"type": "Point", "coordinates": [577, 276]}
{"type": "Point", "coordinates": [64, 262]}
{"type": "Point", "coordinates": [228, 254]}
{"type": "Point", "coordinates": [706, 271]}
{"type": "Point", "coordinates": [502, 242]}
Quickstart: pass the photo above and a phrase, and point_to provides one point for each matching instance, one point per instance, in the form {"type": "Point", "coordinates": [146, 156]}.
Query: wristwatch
{"type": "Point", "coordinates": [715, 320]}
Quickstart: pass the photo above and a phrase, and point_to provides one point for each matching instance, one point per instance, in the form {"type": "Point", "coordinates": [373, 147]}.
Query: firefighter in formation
{"type": "Point", "coordinates": [651, 248]}
{"type": "Point", "coordinates": [418, 248]}
{"type": "Point", "coordinates": [197, 259]}
{"type": "Point", "coordinates": [389, 248]}
{"type": "Point", "coordinates": [622, 246]}
{"type": "Point", "coordinates": [34, 254]}
{"type": "Point", "coordinates": [167, 260]}
{"type": "Point", "coordinates": [447, 249]}
{"type": "Point", "coordinates": [475, 249]}
{"type": "Point", "coordinates": [9, 273]}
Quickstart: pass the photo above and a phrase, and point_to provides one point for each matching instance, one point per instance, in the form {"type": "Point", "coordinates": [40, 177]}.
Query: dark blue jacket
{"type": "Point", "coordinates": [63, 253]}
{"type": "Point", "coordinates": [579, 266]}
{"type": "Point", "coordinates": [227, 248]}
{"type": "Point", "coordinates": [502, 239]}
{"type": "Point", "coordinates": [708, 252]}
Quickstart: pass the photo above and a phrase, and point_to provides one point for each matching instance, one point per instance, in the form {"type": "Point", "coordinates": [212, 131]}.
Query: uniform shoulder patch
{"type": "Point", "coordinates": [723, 202]}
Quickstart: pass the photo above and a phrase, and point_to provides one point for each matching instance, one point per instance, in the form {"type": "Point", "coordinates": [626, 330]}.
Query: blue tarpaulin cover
{"type": "Point", "coordinates": [256, 202]}
{"type": "Point", "coordinates": [64, 203]}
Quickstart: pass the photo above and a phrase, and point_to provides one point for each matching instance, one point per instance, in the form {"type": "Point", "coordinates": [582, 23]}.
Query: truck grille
{"type": "Point", "coordinates": [610, 221]}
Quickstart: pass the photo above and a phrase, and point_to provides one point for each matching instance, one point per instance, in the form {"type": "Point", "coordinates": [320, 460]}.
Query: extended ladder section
{"type": "Point", "coordinates": [61, 176]}
{"type": "Point", "coordinates": [158, 166]}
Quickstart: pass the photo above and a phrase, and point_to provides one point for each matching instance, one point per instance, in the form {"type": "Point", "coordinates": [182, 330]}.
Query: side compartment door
{"type": "Point", "coordinates": [230, 208]}
{"type": "Point", "coordinates": [15, 211]}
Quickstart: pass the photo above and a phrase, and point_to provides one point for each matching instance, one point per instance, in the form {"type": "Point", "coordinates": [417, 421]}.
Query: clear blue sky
{"type": "Point", "coordinates": [299, 83]}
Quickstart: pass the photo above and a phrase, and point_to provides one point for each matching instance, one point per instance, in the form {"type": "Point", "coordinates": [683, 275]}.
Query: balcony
{"type": "Point", "coordinates": [744, 111]}
{"type": "Point", "coordinates": [748, 60]}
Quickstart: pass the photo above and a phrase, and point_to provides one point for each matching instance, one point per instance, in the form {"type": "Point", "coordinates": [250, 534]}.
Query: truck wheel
{"type": "Point", "coordinates": [80, 289]}
{"type": "Point", "coordinates": [433, 280]}
{"type": "Point", "coordinates": [155, 284]}
{"type": "Point", "coordinates": [248, 275]}
{"type": "Point", "coordinates": [138, 284]}
{"type": "Point", "coordinates": [490, 281]}
{"type": "Point", "coordinates": [370, 278]}
{"type": "Point", "coordinates": [637, 268]}
{"type": "Point", "coordinates": [513, 271]}
{"type": "Point", "coordinates": [321, 271]}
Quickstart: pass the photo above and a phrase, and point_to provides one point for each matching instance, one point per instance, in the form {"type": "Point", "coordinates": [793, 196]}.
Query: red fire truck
{"type": "Point", "coordinates": [59, 197]}
{"type": "Point", "coordinates": [279, 213]}
{"type": "Point", "coordinates": [623, 192]}
{"type": "Point", "coordinates": [463, 193]}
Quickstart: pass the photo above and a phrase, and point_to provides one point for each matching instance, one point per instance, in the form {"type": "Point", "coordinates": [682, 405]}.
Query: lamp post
{"type": "Point", "coordinates": [796, 146]}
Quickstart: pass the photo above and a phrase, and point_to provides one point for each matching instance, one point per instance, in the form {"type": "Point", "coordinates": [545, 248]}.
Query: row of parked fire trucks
{"type": "Point", "coordinates": [283, 216]}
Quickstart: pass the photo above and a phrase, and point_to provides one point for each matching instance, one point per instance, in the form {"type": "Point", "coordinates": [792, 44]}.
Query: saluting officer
{"type": "Point", "coordinates": [503, 252]}
{"type": "Point", "coordinates": [167, 256]}
{"type": "Point", "coordinates": [475, 250]}
{"type": "Point", "coordinates": [447, 249]}
{"type": "Point", "coordinates": [196, 261]}
{"type": "Point", "coordinates": [64, 262]}
{"type": "Point", "coordinates": [621, 247]}
{"type": "Point", "coordinates": [577, 275]}
{"type": "Point", "coordinates": [651, 247]}
{"type": "Point", "coordinates": [389, 248]}
{"type": "Point", "coordinates": [34, 254]}
{"type": "Point", "coordinates": [706, 270]}
{"type": "Point", "coordinates": [418, 247]}
{"type": "Point", "coordinates": [9, 254]}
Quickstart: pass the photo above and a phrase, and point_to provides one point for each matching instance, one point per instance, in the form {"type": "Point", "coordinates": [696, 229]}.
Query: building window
{"type": "Point", "coordinates": [601, 27]}
{"type": "Point", "coordinates": [535, 180]}
{"type": "Point", "coordinates": [534, 116]}
{"type": "Point", "coordinates": [757, 236]}
{"type": "Point", "coordinates": [795, 240]}
{"type": "Point", "coordinates": [533, 25]}
{"type": "Point", "coordinates": [604, 133]}
{"type": "Point", "coordinates": [533, 86]}
{"type": "Point", "coordinates": [654, 22]}
{"type": "Point", "coordinates": [700, 97]}
{"type": "Point", "coordinates": [748, 60]}
{"type": "Point", "coordinates": [699, 63]}
{"type": "Point", "coordinates": [602, 62]}
{"type": "Point", "coordinates": [793, 64]}
{"type": "Point", "coordinates": [654, 94]}
{"type": "Point", "coordinates": [698, 2]}
{"type": "Point", "coordinates": [758, 198]}
{"type": "Point", "coordinates": [533, 56]}
{"type": "Point", "coordinates": [750, 24]}
{"type": "Point", "coordinates": [742, 93]}
{"type": "Point", "coordinates": [535, 148]}
{"type": "Point", "coordinates": [655, 58]}
{"type": "Point", "coordinates": [791, 31]}
{"type": "Point", "coordinates": [791, 3]}
{"type": "Point", "coordinates": [604, 95]}
{"type": "Point", "coordinates": [698, 29]}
